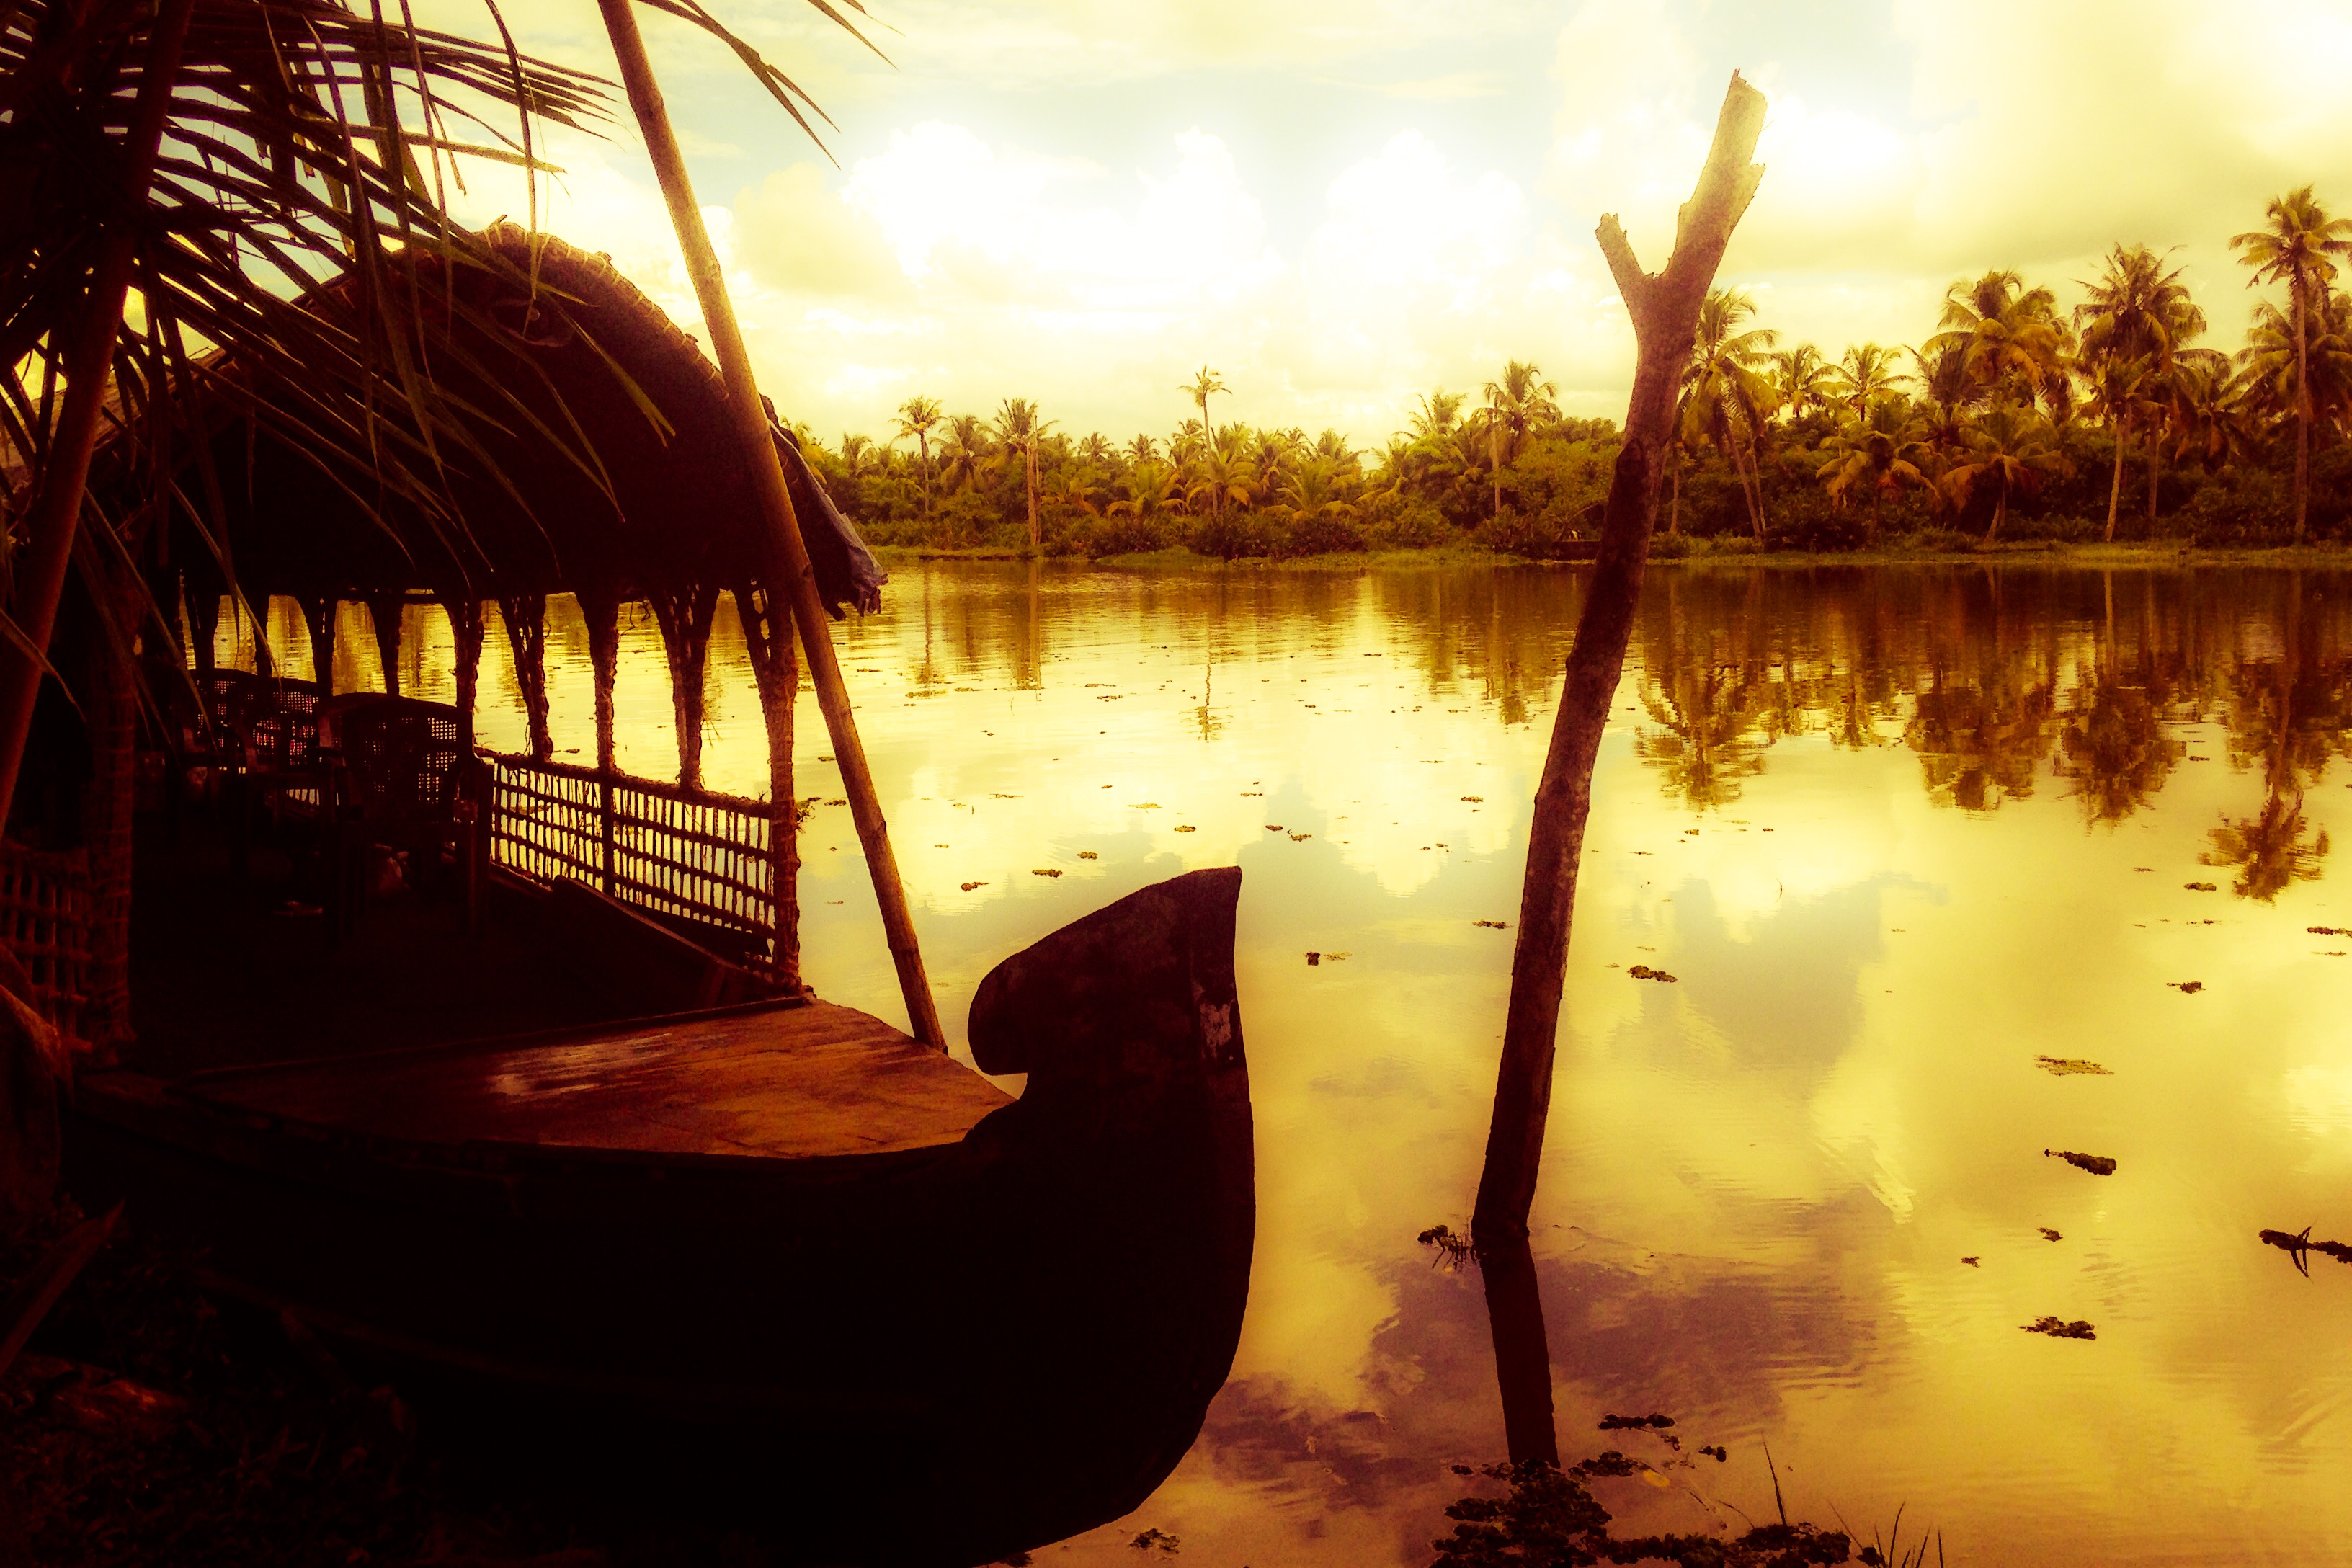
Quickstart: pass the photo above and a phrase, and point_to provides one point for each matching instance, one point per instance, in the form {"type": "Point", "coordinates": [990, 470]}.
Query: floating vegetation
{"type": "Point", "coordinates": [1634, 1423]}
{"type": "Point", "coordinates": [2048, 1233]}
{"type": "Point", "coordinates": [1643, 972]}
{"type": "Point", "coordinates": [1274, 827]}
{"type": "Point", "coordinates": [1186, 827]}
{"type": "Point", "coordinates": [1313, 958]}
{"type": "Point", "coordinates": [2187, 988]}
{"type": "Point", "coordinates": [2058, 1329]}
{"type": "Point", "coordinates": [2061, 1066]}
{"type": "Point", "coordinates": [1973, 1262]}
{"type": "Point", "coordinates": [2098, 1164]}
{"type": "Point", "coordinates": [2329, 930]}
{"type": "Point", "coordinates": [1144, 806]}
{"type": "Point", "coordinates": [968, 887]}
{"type": "Point", "coordinates": [2198, 887]}
{"type": "Point", "coordinates": [1300, 837]}
{"type": "Point", "coordinates": [1493, 925]}
{"type": "Point", "coordinates": [1714, 1451]}
{"type": "Point", "coordinates": [1045, 871]}
{"type": "Point", "coordinates": [2301, 1245]}
{"type": "Point", "coordinates": [1156, 1541]}
{"type": "Point", "coordinates": [1548, 1516]}
{"type": "Point", "coordinates": [1088, 855]}
{"type": "Point", "coordinates": [1476, 799]}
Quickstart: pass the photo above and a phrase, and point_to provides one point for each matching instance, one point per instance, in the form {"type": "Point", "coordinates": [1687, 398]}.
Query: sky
{"type": "Point", "coordinates": [1340, 205]}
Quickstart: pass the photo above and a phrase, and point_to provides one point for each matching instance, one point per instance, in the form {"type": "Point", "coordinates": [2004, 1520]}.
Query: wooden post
{"type": "Point", "coordinates": [602, 610]}
{"type": "Point", "coordinates": [384, 611]}
{"type": "Point", "coordinates": [793, 569]}
{"type": "Point", "coordinates": [203, 609]}
{"type": "Point", "coordinates": [768, 638]}
{"type": "Point", "coordinates": [685, 618]}
{"type": "Point", "coordinates": [319, 612]}
{"type": "Point", "coordinates": [1664, 312]}
{"type": "Point", "coordinates": [466, 625]}
{"type": "Point", "coordinates": [526, 618]}
{"type": "Point", "coordinates": [55, 513]}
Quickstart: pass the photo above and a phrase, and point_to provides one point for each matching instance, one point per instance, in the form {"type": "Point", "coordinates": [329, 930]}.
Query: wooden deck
{"type": "Point", "coordinates": [781, 1080]}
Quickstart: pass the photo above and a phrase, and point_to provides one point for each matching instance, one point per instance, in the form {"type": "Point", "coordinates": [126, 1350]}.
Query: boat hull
{"type": "Point", "coordinates": [991, 1343]}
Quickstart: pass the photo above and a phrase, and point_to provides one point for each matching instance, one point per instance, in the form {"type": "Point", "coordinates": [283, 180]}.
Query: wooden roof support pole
{"type": "Point", "coordinates": [1664, 312]}
{"type": "Point", "coordinates": [55, 513]}
{"type": "Point", "coordinates": [526, 618]}
{"type": "Point", "coordinates": [776, 504]}
{"type": "Point", "coordinates": [466, 628]}
{"type": "Point", "coordinates": [318, 613]}
{"type": "Point", "coordinates": [768, 638]}
{"type": "Point", "coordinates": [602, 611]}
{"type": "Point", "coordinates": [385, 610]}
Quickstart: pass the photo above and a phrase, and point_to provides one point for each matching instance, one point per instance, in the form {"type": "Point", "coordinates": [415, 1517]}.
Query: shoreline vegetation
{"type": "Point", "coordinates": [2016, 427]}
{"type": "Point", "coordinates": [2132, 555]}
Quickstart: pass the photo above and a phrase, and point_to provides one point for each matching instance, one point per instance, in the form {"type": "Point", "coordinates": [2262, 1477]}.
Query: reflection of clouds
{"type": "Point", "coordinates": [1863, 991]}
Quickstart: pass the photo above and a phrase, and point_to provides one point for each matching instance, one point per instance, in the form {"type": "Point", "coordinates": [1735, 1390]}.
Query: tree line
{"type": "Point", "coordinates": [2014, 418]}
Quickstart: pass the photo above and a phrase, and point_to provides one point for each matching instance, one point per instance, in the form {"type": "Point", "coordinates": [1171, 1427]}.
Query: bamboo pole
{"type": "Point", "coordinates": [50, 521]}
{"type": "Point", "coordinates": [776, 507]}
{"type": "Point", "coordinates": [1663, 308]}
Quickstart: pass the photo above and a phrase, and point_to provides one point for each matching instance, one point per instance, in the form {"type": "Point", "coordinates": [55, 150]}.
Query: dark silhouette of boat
{"type": "Point", "coordinates": [779, 1237]}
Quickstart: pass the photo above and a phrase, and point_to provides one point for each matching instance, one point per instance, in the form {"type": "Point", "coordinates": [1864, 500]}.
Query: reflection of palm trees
{"type": "Point", "coordinates": [1710, 741]}
{"type": "Point", "coordinates": [2290, 725]}
{"type": "Point", "coordinates": [1980, 743]}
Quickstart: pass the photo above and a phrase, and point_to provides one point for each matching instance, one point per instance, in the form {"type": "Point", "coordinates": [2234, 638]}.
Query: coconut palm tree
{"type": "Point", "coordinates": [1018, 432]}
{"type": "Point", "coordinates": [1863, 372]}
{"type": "Point", "coordinates": [1204, 385]}
{"type": "Point", "coordinates": [2297, 246]}
{"type": "Point", "coordinates": [1802, 381]}
{"type": "Point", "coordinates": [1439, 413]}
{"type": "Point", "coordinates": [2270, 368]}
{"type": "Point", "coordinates": [1727, 390]}
{"type": "Point", "coordinates": [1879, 454]}
{"type": "Point", "coordinates": [1153, 489]}
{"type": "Point", "coordinates": [965, 451]}
{"type": "Point", "coordinates": [2121, 389]}
{"type": "Point", "coordinates": [1516, 403]}
{"type": "Point", "coordinates": [1143, 449]}
{"type": "Point", "coordinates": [2010, 449]}
{"type": "Point", "coordinates": [2015, 343]}
{"type": "Point", "coordinates": [2137, 310]}
{"type": "Point", "coordinates": [1944, 392]}
{"type": "Point", "coordinates": [2208, 415]}
{"type": "Point", "coordinates": [917, 417]}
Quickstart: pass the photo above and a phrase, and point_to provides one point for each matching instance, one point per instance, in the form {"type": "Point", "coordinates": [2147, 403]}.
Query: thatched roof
{"type": "Point", "coordinates": [679, 513]}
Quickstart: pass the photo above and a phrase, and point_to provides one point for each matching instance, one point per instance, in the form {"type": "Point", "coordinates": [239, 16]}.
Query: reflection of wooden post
{"type": "Point", "coordinates": [202, 607]}
{"type": "Point", "coordinates": [793, 572]}
{"type": "Point", "coordinates": [684, 617]}
{"type": "Point", "coordinates": [1522, 1351]}
{"type": "Point", "coordinates": [1664, 312]}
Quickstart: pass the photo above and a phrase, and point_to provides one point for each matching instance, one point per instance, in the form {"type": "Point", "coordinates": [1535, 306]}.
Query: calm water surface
{"type": "Point", "coordinates": [1897, 832]}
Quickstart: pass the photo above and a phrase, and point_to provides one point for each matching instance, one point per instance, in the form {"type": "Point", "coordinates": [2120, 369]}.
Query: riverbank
{"type": "Point", "coordinates": [1695, 552]}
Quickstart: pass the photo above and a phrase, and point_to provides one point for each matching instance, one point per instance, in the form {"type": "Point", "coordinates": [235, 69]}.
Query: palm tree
{"type": "Point", "coordinates": [2015, 345]}
{"type": "Point", "coordinates": [2208, 414]}
{"type": "Point", "coordinates": [1880, 453]}
{"type": "Point", "coordinates": [1863, 372]}
{"type": "Point", "coordinates": [1439, 412]}
{"type": "Point", "coordinates": [1143, 449]}
{"type": "Point", "coordinates": [1943, 387]}
{"type": "Point", "coordinates": [2138, 311]}
{"type": "Point", "coordinates": [2011, 448]}
{"type": "Point", "coordinates": [1514, 404]}
{"type": "Point", "coordinates": [2298, 245]}
{"type": "Point", "coordinates": [1726, 389]}
{"type": "Point", "coordinates": [964, 451]}
{"type": "Point", "coordinates": [1018, 429]}
{"type": "Point", "coordinates": [1204, 385]}
{"type": "Point", "coordinates": [917, 417]}
{"type": "Point", "coordinates": [1074, 490]}
{"type": "Point", "coordinates": [1802, 381]}
{"type": "Point", "coordinates": [2120, 388]}
{"type": "Point", "coordinates": [1153, 489]}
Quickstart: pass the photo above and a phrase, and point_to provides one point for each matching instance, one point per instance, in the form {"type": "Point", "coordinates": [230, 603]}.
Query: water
{"type": "Point", "coordinates": [1897, 832]}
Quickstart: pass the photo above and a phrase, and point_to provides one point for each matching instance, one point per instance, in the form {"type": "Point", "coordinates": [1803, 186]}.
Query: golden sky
{"type": "Point", "coordinates": [1342, 202]}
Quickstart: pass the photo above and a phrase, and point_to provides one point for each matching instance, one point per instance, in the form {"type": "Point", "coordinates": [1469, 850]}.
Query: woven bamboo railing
{"type": "Point", "coordinates": [691, 856]}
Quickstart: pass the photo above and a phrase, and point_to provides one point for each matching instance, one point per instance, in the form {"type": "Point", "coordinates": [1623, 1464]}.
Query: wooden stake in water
{"type": "Point", "coordinates": [1664, 310]}
{"type": "Point", "coordinates": [799, 578]}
